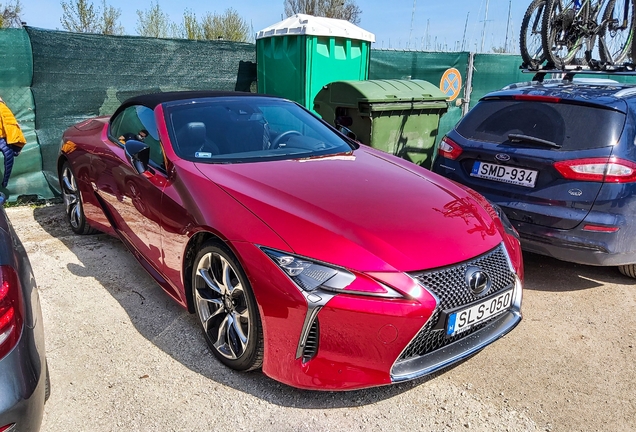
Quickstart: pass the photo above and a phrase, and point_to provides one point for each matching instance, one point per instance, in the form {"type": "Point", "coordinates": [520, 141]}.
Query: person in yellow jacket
{"type": "Point", "coordinates": [11, 140]}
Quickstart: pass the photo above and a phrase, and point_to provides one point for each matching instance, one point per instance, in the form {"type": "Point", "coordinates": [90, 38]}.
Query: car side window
{"type": "Point", "coordinates": [137, 122]}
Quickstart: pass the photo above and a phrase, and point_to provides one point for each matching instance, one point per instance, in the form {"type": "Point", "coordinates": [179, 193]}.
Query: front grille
{"type": "Point", "coordinates": [311, 345]}
{"type": "Point", "coordinates": [449, 286]}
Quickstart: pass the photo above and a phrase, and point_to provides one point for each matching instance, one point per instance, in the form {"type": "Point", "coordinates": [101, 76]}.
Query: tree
{"type": "Point", "coordinates": [80, 16]}
{"type": "Point", "coordinates": [110, 20]}
{"type": "Point", "coordinates": [339, 9]}
{"type": "Point", "coordinates": [10, 15]}
{"type": "Point", "coordinates": [190, 28]}
{"type": "Point", "coordinates": [154, 22]}
{"type": "Point", "coordinates": [229, 26]}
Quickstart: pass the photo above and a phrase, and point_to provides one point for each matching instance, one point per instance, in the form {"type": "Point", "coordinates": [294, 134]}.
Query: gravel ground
{"type": "Point", "coordinates": [123, 356]}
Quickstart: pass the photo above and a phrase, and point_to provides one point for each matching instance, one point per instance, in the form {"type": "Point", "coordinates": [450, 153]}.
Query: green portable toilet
{"type": "Point", "coordinates": [296, 57]}
{"type": "Point", "coordinates": [400, 117]}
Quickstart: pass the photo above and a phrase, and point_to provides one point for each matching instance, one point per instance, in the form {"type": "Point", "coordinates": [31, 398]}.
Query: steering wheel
{"type": "Point", "coordinates": [280, 137]}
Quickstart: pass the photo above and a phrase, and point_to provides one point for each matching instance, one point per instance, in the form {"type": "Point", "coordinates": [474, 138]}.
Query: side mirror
{"type": "Point", "coordinates": [138, 154]}
{"type": "Point", "coordinates": [347, 132]}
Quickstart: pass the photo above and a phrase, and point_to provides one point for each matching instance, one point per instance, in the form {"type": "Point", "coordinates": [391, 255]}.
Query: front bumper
{"type": "Point", "coordinates": [463, 348]}
{"type": "Point", "coordinates": [359, 338]}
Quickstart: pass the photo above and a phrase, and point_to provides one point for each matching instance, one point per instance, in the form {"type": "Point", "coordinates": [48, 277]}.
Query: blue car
{"type": "Point", "coordinates": [24, 379]}
{"type": "Point", "coordinates": [559, 158]}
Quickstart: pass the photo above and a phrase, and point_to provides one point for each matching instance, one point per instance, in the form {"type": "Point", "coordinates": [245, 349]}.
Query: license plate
{"type": "Point", "coordinates": [464, 319]}
{"type": "Point", "coordinates": [505, 174]}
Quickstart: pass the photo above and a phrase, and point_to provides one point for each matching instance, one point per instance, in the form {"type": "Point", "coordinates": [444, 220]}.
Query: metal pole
{"type": "Point", "coordinates": [412, 20]}
{"type": "Point", "coordinates": [483, 32]}
{"type": "Point", "coordinates": [428, 44]}
{"type": "Point", "coordinates": [508, 27]}
{"type": "Point", "coordinates": [465, 27]}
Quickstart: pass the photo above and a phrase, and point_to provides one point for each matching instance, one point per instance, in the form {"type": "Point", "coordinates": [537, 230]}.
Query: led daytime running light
{"type": "Point", "coordinates": [310, 275]}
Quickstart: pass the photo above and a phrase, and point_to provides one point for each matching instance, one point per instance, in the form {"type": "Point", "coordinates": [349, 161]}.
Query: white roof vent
{"type": "Point", "coordinates": [301, 24]}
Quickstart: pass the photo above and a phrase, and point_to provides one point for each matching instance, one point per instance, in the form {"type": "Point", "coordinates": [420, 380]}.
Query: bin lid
{"type": "Point", "coordinates": [301, 24]}
{"type": "Point", "coordinates": [351, 93]}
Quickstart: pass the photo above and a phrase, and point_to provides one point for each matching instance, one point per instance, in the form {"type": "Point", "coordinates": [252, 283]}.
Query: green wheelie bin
{"type": "Point", "coordinates": [400, 117]}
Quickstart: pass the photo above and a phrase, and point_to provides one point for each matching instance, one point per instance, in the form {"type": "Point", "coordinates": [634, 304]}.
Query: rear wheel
{"type": "Point", "coordinates": [628, 270]}
{"type": "Point", "coordinates": [562, 38]}
{"type": "Point", "coordinates": [530, 41]}
{"type": "Point", "coordinates": [73, 202]}
{"type": "Point", "coordinates": [227, 308]}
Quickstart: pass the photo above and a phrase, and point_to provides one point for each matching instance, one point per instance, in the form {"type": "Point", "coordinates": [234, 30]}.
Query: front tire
{"type": "Point", "coordinates": [73, 202]}
{"type": "Point", "coordinates": [47, 384]}
{"type": "Point", "coordinates": [530, 38]}
{"type": "Point", "coordinates": [615, 42]}
{"type": "Point", "coordinates": [226, 307]}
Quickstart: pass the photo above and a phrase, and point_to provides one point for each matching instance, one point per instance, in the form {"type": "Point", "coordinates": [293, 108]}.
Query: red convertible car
{"type": "Point", "coordinates": [329, 264]}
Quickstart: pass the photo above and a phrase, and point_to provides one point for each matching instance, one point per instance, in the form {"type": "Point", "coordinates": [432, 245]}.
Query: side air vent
{"type": "Point", "coordinates": [311, 345]}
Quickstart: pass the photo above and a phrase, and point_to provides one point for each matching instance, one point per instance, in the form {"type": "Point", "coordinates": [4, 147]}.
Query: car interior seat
{"type": "Point", "coordinates": [248, 132]}
{"type": "Point", "coordinates": [193, 138]}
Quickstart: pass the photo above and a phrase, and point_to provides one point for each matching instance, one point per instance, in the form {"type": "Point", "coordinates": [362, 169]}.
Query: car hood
{"type": "Point", "coordinates": [363, 210]}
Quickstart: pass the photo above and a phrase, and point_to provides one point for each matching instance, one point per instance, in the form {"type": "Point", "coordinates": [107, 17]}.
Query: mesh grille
{"type": "Point", "coordinates": [311, 345]}
{"type": "Point", "coordinates": [449, 285]}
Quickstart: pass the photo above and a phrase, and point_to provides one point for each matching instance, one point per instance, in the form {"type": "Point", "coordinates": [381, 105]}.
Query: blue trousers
{"type": "Point", "coordinates": [9, 151]}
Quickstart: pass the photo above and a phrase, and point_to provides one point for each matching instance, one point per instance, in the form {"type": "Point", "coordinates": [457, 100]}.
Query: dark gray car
{"type": "Point", "coordinates": [24, 381]}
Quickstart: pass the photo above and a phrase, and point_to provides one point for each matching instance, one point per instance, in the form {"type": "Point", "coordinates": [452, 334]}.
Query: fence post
{"type": "Point", "coordinates": [468, 89]}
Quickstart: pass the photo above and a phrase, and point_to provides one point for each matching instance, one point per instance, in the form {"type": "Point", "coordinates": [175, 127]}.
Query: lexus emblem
{"type": "Point", "coordinates": [477, 280]}
{"type": "Point", "coordinates": [502, 157]}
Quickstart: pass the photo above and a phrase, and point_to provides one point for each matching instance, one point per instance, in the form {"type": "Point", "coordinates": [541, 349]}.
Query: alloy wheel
{"type": "Point", "coordinates": [70, 194]}
{"type": "Point", "coordinates": [222, 305]}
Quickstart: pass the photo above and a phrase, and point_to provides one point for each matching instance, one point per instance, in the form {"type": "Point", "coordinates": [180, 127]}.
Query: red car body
{"type": "Point", "coordinates": [381, 218]}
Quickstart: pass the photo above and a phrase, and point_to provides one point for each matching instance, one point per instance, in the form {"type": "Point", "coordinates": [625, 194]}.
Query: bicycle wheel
{"type": "Point", "coordinates": [530, 38]}
{"type": "Point", "coordinates": [562, 32]}
{"type": "Point", "coordinates": [617, 31]}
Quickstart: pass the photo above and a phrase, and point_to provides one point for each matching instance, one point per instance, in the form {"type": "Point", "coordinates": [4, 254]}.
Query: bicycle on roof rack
{"type": "Point", "coordinates": [569, 29]}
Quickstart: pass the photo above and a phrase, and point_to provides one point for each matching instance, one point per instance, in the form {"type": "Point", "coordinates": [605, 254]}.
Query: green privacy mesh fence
{"type": "Point", "coordinates": [76, 76]}
{"type": "Point", "coordinates": [495, 71]}
{"type": "Point", "coordinates": [428, 66]}
{"type": "Point", "coordinates": [16, 70]}
{"type": "Point", "coordinates": [53, 79]}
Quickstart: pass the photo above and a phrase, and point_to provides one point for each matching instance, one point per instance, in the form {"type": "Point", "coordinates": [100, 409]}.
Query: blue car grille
{"type": "Point", "coordinates": [449, 286]}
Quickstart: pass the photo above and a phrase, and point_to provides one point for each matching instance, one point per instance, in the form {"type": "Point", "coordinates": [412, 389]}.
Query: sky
{"type": "Point", "coordinates": [436, 24]}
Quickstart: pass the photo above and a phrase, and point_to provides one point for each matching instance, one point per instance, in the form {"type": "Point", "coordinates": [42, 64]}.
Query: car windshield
{"type": "Point", "coordinates": [248, 129]}
{"type": "Point", "coordinates": [567, 126]}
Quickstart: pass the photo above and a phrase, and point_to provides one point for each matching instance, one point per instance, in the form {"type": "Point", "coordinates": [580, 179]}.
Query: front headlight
{"type": "Point", "coordinates": [310, 276]}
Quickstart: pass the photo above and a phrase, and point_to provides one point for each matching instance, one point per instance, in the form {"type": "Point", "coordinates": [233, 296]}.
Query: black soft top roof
{"type": "Point", "coordinates": [151, 100]}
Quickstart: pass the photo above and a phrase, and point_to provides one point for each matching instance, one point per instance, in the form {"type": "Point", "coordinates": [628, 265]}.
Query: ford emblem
{"type": "Point", "coordinates": [502, 157]}
{"type": "Point", "coordinates": [477, 280]}
{"type": "Point", "coordinates": [575, 192]}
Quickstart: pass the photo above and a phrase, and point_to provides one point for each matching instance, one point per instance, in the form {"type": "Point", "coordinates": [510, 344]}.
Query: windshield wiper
{"type": "Point", "coordinates": [519, 138]}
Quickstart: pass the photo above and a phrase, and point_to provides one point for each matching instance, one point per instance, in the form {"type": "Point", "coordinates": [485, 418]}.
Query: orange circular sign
{"type": "Point", "coordinates": [451, 83]}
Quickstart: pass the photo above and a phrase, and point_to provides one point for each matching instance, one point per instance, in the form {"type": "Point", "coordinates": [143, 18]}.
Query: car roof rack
{"type": "Point", "coordinates": [570, 71]}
